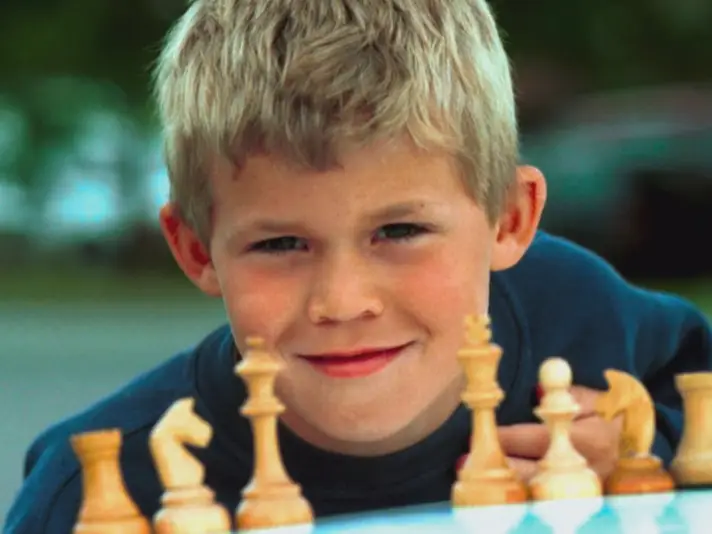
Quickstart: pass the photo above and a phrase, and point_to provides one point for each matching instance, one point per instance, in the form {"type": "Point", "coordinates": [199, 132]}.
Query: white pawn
{"type": "Point", "coordinates": [563, 472]}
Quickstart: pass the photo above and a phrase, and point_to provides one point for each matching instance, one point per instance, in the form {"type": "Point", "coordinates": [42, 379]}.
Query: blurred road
{"type": "Point", "coordinates": [56, 358]}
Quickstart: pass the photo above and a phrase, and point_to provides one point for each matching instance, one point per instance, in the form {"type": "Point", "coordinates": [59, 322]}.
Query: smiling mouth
{"type": "Point", "coordinates": [355, 365]}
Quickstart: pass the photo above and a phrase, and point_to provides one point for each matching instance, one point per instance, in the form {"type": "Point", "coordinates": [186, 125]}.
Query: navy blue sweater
{"type": "Point", "coordinates": [559, 301]}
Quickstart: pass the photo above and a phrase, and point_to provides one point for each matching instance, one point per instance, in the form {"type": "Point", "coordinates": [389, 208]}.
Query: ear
{"type": "Point", "coordinates": [188, 251]}
{"type": "Point", "coordinates": [518, 224]}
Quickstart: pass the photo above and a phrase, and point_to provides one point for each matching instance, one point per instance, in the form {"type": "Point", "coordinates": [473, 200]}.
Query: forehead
{"type": "Point", "coordinates": [392, 171]}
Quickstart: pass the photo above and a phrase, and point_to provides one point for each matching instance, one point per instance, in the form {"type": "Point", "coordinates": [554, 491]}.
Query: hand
{"type": "Point", "coordinates": [595, 439]}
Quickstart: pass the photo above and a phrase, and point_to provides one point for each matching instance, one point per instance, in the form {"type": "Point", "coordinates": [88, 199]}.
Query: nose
{"type": "Point", "coordinates": [344, 289]}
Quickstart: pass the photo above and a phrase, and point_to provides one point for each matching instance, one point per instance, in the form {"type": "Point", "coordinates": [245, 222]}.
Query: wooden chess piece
{"type": "Point", "coordinates": [563, 472]}
{"type": "Point", "coordinates": [271, 499]}
{"type": "Point", "coordinates": [486, 478]}
{"type": "Point", "coordinates": [692, 465]}
{"type": "Point", "coordinates": [107, 507]}
{"type": "Point", "coordinates": [636, 470]}
{"type": "Point", "coordinates": [188, 506]}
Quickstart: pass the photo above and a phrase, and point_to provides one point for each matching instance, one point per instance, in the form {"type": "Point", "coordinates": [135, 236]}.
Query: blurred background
{"type": "Point", "coordinates": [615, 100]}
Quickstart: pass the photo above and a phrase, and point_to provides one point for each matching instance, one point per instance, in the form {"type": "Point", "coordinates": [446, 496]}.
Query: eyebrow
{"type": "Point", "coordinates": [401, 209]}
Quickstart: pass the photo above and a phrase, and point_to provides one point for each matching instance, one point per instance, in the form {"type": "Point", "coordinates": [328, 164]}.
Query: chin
{"type": "Point", "coordinates": [370, 432]}
{"type": "Point", "coordinates": [360, 434]}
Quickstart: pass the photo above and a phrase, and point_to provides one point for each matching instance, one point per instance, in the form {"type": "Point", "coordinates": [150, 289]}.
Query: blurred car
{"type": "Point", "coordinates": [78, 172]}
{"type": "Point", "coordinates": [628, 173]}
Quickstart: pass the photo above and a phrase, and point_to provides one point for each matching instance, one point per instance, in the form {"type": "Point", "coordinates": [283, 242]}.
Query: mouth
{"type": "Point", "coordinates": [355, 364]}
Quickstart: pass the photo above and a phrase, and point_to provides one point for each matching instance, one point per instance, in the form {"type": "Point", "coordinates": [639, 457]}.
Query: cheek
{"type": "Point", "coordinates": [445, 287]}
{"type": "Point", "coordinates": [258, 304]}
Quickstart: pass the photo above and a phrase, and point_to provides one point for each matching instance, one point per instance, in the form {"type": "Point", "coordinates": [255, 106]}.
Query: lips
{"type": "Point", "coordinates": [354, 364]}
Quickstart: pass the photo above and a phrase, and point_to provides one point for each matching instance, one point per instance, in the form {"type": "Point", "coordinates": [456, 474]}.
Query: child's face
{"type": "Point", "coordinates": [387, 252]}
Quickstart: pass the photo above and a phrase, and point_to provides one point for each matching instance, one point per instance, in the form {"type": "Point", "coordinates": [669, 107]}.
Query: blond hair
{"type": "Point", "coordinates": [300, 78]}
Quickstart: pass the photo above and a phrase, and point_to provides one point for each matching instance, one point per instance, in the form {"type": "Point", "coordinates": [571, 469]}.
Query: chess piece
{"type": "Point", "coordinates": [563, 472]}
{"type": "Point", "coordinates": [485, 478]}
{"type": "Point", "coordinates": [271, 499]}
{"type": "Point", "coordinates": [636, 470]}
{"type": "Point", "coordinates": [188, 505]}
{"type": "Point", "coordinates": [692, 465]}
{"type": "Point", "coordinates": [107, 507]}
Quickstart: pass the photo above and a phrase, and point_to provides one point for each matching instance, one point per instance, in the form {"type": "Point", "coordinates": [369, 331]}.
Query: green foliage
{"type": "Point", "coordinates": [110, 42]}
{"type": "Point", "coordinates": [613, 43]}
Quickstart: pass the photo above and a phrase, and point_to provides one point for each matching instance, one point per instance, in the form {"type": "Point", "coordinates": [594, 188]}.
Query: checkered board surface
{"type": "Point", "coordinates": [681, 512]}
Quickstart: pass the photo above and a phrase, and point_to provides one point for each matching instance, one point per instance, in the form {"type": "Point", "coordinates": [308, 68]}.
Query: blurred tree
{"type": "Point", "coordinates": [613, 43]}
{"type": "Point", "coordinates": [111, 42]}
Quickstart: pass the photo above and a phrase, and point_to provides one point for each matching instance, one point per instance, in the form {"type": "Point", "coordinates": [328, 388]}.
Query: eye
{"type": "Point", "coordinates": [400, 231]}
{"type": "Point", "coordinates": [278, 245]}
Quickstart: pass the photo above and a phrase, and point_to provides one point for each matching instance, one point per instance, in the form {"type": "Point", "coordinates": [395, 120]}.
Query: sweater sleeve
{"type": "Point", "coordinates": [48, 500]}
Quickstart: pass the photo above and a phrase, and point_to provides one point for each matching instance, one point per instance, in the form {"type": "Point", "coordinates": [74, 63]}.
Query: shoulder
{"type": "Point", "coordinates": [51, 488]}
{"type": "Point", "coordinates": [556, 264]}
{"type": "Point", "coordinates": [570, 302]}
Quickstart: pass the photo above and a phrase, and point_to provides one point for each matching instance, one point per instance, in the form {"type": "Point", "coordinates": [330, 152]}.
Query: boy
{"type": "Point", "coordinates": [344, 177]}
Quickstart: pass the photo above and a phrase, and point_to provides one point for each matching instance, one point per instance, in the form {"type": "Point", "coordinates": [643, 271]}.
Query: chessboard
{"type": "Point", "coordinates": [565, 496]}
{"type": "Point", "coordinates": [680, 512]}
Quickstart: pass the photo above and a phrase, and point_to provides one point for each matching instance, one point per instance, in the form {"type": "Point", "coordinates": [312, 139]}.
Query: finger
{"type": "Point", "coordinates": [524, 467]}
{"type": "Point", "coordinates": [530, 440]}
{"type": "Point", "coordinates": [586, 398]}
{"type": "Point", "coordinates": [595, 438]}
{"type": "Point", "coordinates": [527, 440]}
